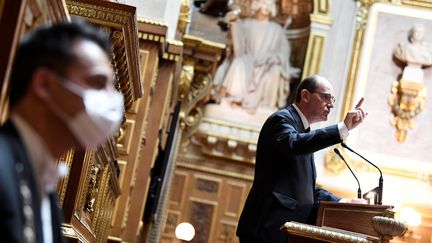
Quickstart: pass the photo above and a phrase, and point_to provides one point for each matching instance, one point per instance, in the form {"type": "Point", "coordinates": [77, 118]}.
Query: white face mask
{"type": "Point", "coordinates": [101, 118]}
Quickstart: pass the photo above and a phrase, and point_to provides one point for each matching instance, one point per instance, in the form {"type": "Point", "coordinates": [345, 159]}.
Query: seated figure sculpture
{"type": "Point", "coordinates": [256, 71]}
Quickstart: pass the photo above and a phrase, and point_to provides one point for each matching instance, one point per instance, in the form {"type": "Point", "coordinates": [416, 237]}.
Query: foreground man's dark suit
{"type": "Point", "coordinates": [15, 168]}
{"type": "Point", "coordinates": [284, 184]}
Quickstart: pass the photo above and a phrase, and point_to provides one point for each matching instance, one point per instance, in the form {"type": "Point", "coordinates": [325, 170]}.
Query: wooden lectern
{"type": "Point", "coordinates": [343, 222]}
{"type": "Point", "coordinates": [349, 216]}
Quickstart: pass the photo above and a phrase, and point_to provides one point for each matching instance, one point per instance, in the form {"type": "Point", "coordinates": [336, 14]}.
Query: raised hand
{"type": "Point", "coordinates": [354, 117]}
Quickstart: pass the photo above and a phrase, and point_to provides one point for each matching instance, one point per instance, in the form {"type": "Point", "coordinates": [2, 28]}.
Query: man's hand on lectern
{"type": "Point", "coordinates": [353, 200]}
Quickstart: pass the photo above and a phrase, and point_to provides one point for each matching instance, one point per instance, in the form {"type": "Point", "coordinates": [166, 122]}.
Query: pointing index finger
{"type": "Point", "coordinates": [359, 103]}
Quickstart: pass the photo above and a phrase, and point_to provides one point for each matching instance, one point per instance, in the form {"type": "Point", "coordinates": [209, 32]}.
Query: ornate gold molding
{"type": "Point", "coordinates": [200, 60]}
{"type": "Point", "coordinates": [191, 112]}
{"type": "Point", "coordinates": [121, 67]}
{"type": "Point", "coordinates": [88, 161]}
{"type": "Point", "coordinates": [321, 7]}
{"type": "Point", "coordinates": [99, 14]}
{"type": "Point", "coordinates": [326, 234]}
{"type": "Point", "coordinates": [316, 41]}
{"type": "Point", "coordinates": [407, 100]}
{"type": "Point", "coordinates": [361, 23]}
{"type": "Point", "coordinates": [321, 12]}
{"type": "Point", "coordinates": [418, 3]}
{"type": "Point", "coordinates": [62, 186]}
{"type": "Point", "coordinates": [89, 205]}
{"type": "Point", "coordinates": [314, 54]}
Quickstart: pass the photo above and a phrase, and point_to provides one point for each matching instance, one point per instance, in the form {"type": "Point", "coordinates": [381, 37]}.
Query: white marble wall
{"type": "Point", "coordinates": [335, 63]}
{"type": "Point", "coordinates": [166, 11]}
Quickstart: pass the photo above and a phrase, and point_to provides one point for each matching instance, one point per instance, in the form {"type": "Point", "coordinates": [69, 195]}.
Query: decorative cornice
{"type": "Point", "coordinates": [214, 171]}
{"type": "Point", "coordinates": [152, 22]}
{"type": "Point", "coordinates": [152, 30]}
{"type": "Point", "coordinates": [156, 31]}
{"type": "Point", "coordinates": [173, 50]}
{"type": "Point", "coordinates": [194, 41]}
{"type": "Point", "coordinates": [99, 14]}
{"type": "Point", "coordinates": [226, 140]}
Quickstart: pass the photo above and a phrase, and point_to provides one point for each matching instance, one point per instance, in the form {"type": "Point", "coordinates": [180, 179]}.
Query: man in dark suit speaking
{"type": "Point", "coordinates": [62, 96]}
{"type": "Point", "coordinates": [284, 184]}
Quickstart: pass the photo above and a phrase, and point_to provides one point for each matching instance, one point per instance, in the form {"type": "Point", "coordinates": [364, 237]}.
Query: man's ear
{"type": "Point", "coordinates": [42, 83]}
{"type": "Point", "coordinates": [305, 94]}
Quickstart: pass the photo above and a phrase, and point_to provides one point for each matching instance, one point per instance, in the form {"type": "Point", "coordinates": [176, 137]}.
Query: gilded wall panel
{"type": "Point", "coordinates": [62, 185]}
{"type": "Point", "coordinates": [314, 54]}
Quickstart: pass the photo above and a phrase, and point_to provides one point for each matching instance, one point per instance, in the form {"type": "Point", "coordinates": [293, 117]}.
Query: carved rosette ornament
{"type": "Point", "coordinates": [407, 100]}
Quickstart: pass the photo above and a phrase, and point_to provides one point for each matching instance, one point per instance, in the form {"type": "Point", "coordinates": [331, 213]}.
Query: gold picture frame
{"type": "Point", "coordinates": [380, 27]}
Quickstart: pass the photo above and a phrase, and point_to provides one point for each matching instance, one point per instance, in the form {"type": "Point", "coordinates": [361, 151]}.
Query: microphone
{"type": "Point", "coordinates": [379, 189]}
{"type": "Point", "coordinates": [359, 193]}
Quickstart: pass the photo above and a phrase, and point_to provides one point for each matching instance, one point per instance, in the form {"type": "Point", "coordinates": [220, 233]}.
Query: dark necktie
{"type": "Point", "coordinates": [307, 129]}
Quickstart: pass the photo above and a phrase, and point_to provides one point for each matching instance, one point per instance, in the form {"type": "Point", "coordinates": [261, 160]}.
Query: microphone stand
{"type": "Point", "coordinates": [359, 192]}
{"type": "Point", "coordinates": [377, 190]}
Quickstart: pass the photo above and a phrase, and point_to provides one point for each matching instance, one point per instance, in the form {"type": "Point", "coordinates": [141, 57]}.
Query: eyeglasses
{"type": "Point", "coordinates": [328, 98]}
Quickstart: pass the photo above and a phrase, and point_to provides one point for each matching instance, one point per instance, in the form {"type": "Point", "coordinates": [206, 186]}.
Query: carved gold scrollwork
{"type": "Point", "coordinates": [192, 113]}
{"type": "Point", "coordinates": [407, 100]}
{"type": "Point", "coordinates": [362, 13]}
{"type": "Point", "coordinates": [186, 77]}
{"type": "Point", "coordinates": [93, 188]}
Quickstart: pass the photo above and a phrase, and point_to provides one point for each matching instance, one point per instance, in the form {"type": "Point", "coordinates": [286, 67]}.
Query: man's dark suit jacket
{"type": "Point", "coordinates": [284, 184]}
{"type": "Point", "coordinates": [15, 167]}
